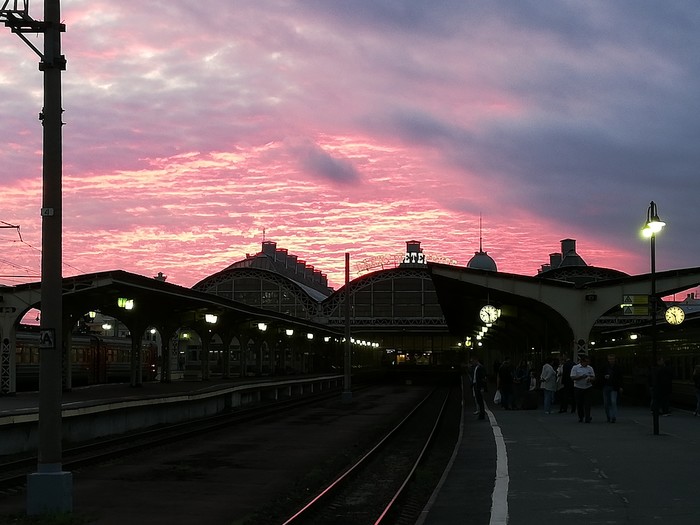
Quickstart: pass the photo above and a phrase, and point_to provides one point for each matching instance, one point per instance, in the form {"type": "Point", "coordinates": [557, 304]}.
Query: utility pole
{"type": "Point", "coordinates": [50, 489]}
{"type": "Point", "coordinates": [347, 358]}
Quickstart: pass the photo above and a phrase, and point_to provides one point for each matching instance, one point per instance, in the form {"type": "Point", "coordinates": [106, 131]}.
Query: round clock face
{"type": "Point", "coordinates": [675, 315]}
{"type": "Point", "coordinates": [489, 314]}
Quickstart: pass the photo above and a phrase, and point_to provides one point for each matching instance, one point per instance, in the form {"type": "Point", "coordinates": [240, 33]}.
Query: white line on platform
{"type": "Point", "coordinates": [499, 498]}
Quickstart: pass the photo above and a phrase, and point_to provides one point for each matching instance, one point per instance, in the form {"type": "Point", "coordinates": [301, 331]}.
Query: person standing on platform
{"type": "Point", "coordinates": [479, 385]}
{"type": "Point", "coordinates": [521, 380]}
{"type": "Point", "coordinates": [504, 383]}
{"type": "Point", "coordinates": [548, 381]}
{"type": "Point", "coordinates": [612, 386]}
{"type": "Point", "coordinates": [583, 377]}
{"type": "Point", "coordinates": [530, 402]}
{"type": "Point", "coordinates": [696, 380]}
{"type": "Point", "coordinates": [664, 387]}
{"type": "Point", "coordinates": [567, 392]}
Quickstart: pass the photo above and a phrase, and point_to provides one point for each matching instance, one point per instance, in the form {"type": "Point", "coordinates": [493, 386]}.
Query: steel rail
{"type": "Point", "coordinates": [328, 490]}
{"type": "Point", "coordinates": [416, 464]}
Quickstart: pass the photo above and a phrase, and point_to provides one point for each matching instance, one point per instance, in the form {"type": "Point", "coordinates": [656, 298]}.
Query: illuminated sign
{"type": "Point", "coordinates": [414, 258]}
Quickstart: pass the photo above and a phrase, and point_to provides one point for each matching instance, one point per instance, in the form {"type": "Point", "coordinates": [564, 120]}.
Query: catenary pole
{"type": "Point", "coordinates": [347, 361]}
{"type": "Point", "coordinates": [49, 490]}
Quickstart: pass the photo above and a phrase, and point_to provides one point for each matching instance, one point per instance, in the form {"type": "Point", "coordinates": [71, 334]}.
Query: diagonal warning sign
{"type": "Point", "coordinates": [631, 299]}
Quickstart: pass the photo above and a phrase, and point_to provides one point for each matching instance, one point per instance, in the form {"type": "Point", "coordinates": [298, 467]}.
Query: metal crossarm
{"type": "Point", "coordinates": [14, 3]}
{"type": "Point", "coordinates": [15, 15]}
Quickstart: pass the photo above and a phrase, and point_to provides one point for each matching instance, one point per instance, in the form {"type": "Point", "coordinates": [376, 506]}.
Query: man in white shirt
{"type": "Point", "coordinates": [583, 376]}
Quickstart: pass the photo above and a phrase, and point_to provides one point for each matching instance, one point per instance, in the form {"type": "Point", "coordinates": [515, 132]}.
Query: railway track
{"type": "Point", "coordinates": [13, 472]}
{"type": "Point", "coordinates": [381, 488]}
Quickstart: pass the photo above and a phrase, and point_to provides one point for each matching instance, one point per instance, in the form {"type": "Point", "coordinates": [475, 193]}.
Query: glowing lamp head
{"type": "Point", "coordinates": [127, 304]}
{"type": "Point", "coordinates": [653, 225]}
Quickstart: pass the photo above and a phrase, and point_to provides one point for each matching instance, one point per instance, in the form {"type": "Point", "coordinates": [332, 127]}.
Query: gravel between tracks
{"type": "Point", "coordinates": [250, 474]}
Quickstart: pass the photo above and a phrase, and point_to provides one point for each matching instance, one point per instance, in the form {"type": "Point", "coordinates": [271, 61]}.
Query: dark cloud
{"type": "Point", "coordinates": [315, 160]}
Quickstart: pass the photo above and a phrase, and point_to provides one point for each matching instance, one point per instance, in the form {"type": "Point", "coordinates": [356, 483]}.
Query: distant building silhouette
{"type": "Point", "coordinates": [570, 266]}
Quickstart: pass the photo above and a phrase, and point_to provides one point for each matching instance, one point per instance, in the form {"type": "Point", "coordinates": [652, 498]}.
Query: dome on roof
{"type": "Point", "coordinates": [482, 261]}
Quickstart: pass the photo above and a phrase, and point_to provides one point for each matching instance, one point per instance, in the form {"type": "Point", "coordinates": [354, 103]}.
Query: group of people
{"type": "Point", "coordinates": [564, 381]}
{"type": "Point", "coordinates": [571, 385]}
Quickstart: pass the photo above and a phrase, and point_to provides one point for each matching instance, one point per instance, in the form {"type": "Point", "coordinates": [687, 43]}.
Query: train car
{"type": "Point", "coordinates": [94, 360]}
{"type": "Point", "coordinates": [679, 346]}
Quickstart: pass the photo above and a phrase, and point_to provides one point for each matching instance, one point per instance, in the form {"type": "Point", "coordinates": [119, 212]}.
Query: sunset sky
{"type": "Point", "coordinates": [353, 126]}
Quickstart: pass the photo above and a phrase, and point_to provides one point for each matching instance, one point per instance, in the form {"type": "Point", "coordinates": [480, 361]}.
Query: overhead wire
{"type": "Point", "coordinates": [30, 273]}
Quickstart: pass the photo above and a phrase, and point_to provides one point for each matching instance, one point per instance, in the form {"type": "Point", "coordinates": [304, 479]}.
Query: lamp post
{"type": "Point", "coordinates": [653, 226]}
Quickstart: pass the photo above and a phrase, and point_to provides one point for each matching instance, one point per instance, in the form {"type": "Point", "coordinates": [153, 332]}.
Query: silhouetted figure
{"type": "Point", "coordinates": [479, 385]}
{"type": "Point", "coordinates": [612, 387]}
{"type": "Point", "coordinates": [504, 383]}
{"type": "Point", "coordinates": [662, 387]}
{"type": "Point", "coordinates": [567, 392]}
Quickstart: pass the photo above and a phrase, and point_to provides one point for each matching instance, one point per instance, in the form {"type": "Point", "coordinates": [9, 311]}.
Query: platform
{"type": "Point", "coordinates": [105, 410]}
{"type": "Point", "coordinates": [28, 402]}
{"type": "Point", "coordinates": [529, 468]}
{"type": "Point", "coordinates": [107, 394]}
{"type": "Point", "coordinates": [524, 467]}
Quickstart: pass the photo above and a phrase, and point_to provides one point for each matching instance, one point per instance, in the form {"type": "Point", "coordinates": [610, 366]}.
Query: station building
{"type": "Point", "coordinates": [395, 315]}
{"type": "Point", "coordinates": [411, 312]}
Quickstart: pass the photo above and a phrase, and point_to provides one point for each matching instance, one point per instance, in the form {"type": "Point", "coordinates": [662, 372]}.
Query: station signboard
{"type": "Point", "coordinates": [635, 304]}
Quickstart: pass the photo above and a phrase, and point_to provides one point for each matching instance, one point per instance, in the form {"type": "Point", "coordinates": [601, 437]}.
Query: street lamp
{"type": "Point", "coordinates": [653, 226]}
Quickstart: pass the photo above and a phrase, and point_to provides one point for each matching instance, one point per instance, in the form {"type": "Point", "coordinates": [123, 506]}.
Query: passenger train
{"type": "Point", "coordinates": [94, 359]}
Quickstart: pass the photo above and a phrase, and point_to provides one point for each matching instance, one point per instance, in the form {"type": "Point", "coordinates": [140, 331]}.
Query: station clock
{"type": "Point", "coordinates": [489, 314]}
{"type": "Point", "coordinates": [675, 315]}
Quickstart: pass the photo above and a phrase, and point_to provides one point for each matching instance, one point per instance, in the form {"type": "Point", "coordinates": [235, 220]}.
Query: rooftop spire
{"type": "Point", "coordinates": [481, 259]}
{"type": "Point", "coordinates": [481, 250]}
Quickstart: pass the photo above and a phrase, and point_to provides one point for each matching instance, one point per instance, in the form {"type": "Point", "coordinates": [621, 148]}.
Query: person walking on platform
{"type": "Point", "coordinates": [548, 380]}
{"type": "Point", "coordinates": [479, 385]}
{"type": "Point", "coordinates": [583, 377]}
{"type": "Point", "coordinates": [567, 392]}
{"type": "Point", "coordinates": [612, 386]}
